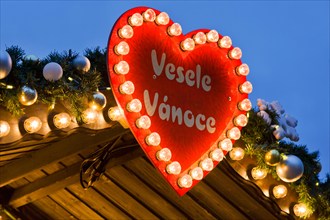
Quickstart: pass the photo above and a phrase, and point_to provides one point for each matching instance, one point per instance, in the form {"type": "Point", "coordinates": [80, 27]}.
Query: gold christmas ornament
{"type": "Point", "coordinates": [98, 102]}
{"type": "Point", "coordinates": [27, 95]}
{"type": "Point", "coordinates": [272, 157]}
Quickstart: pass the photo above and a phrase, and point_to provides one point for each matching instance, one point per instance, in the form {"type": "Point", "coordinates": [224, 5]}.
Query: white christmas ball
{"type": "Point", "coordinates": [290, 168]}
{"type": "Point", "coordinates": [52, 71]}
{"type": "Point", "coordinates": [82, 63]}
{"type": "Point", "coordinates": [5, 64]}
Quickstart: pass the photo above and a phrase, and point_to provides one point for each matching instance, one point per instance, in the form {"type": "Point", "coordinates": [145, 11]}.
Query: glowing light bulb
{"type": "Point", "coordinates": [32, 124]}
{"type": "Point", "coordinates": [246, 87]}
{"type": "Point", "coordinates": [234, 133]}
{"type": "Point", "coordinates": [62, 120]}
{"type": "Point", "coordinates": [185, 181]}
{"type": "Point", "coordinates": [225, 42]}
{"type": "Point", "coordinates": [136, 20]}
{"type": "Point", "coordinates": [143, 122]}
{"type": "Point", "coordinates": [122, 48]}
{"type": "Point", "coordinates": [206, 164]}
{"type": "Point", "coordinates": [235, 53]}
{"type": "Point", "coordinates": [126, 32]}
{"type": "Point", "coordinates": [127, 88]}
{"type": "Point", "coordinates": [149, 15]}
{"type": "Point", "coordinates": [226, 144]}
{"type": "Point", "coordinates": [243, 70]}
{"type": "Point", "coordinates": [115, 113]}
{"type": "Point", "coordinates": [173, 168]}
{"type": "Point", "coordinates": [121, 68]}
{"type": "Point", "coordinates": [164, 154]}
{"type": "Point", "coordinates": [258, 173]}
{"type": "Point", "coordinates": [89, 116]}
{"type": "Point", "coordinates": [236, 153]}
{"type": "Point", "coordinates": [200, 38]}
{"type": "Point", "coordinates": [197, 173]}
{"type": "Point", "coordinates": [187, 44]}
{"type": "Point", "coordinates": [162, 18]}
{"type": "Point", "coordinates": [4, 128]}
{"type": "Point", "coordinates": [217, 155]}
{"type": "Point", "coordinates": [134, 106]}
{"type": "Point", "coordinates": [300, 209]}
{"type": "Point", "coordinates": [153, 139]}
{"type": "Point", "coordinates": [245, 105]}
{"type": "Point", "coordinates": [241, 120]}
{"type": "Point", "coordinates": [280, 191]}
{"type": "Point", "coordinates": [174, 30]}
{"type": "Point", "coordinates": [212, 36]}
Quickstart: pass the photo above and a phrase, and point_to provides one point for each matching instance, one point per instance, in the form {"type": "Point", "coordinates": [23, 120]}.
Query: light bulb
{"type": "Point", "coordinates": [185, 181]}
{"type": "Point", "coordinates": [206, 164]}
{"type": "Point", "coordinates": [115, 113]}
{"type": "Point", "coordinates": [122, 48]}
{"type": "Point", "coordinates": [121, 68]}
{"type": "Point", "coordinates": [225, 42]}
{"type": "Point", "coordinates": [187, 44]}
{"type": "Point", "coordinates": [127, 88]}
{"type": "Point", "coordinates": [136, 20]}
{"type": "Point", "coordinates": [126, 32]}
{"type": "Point", "coordinates": [162, 18]}
{"type": "Point", "coordinates": [153, 139]}
{"type": "Point", "coordinates": [200, 38]}
{"type": "Point", "coordinates": [197, 173]}
{"type": "Point", "coordinates": [134, 105]}
{"type": "Point", "coordinates": [4, 128]}
{"type": "Point", "coordinates": [173, 168]}
{"type": "Point", "coordinates": [241, 120]}
{"type": "Point", "coordinates": [174, 30]}
{"type": "Point", "coordinates": [280, 191]}
{"type": "Point", "coordinates": [246, 87]}
{"type": "Point", "coordinates": [89, 116]}
{"type": "Point", "coordinates": [143, 122]}
{"type": "Point", "coordinates": [62, 120]}
{"type": "Point", "coordinates": [226, 144]}
{"type": "Point", "coordinates": [300, 209]}
{"type": "Point", "coordinates": [235, 53]}
{"type": "Point", "coordinates": [149, 15]}
{"type": "Point", "coordinates": [243, 70]}
{"type": "Point", "coordinates": [217, 155]}
{"type": "Point", "coordinates": [32, 124]}
{"type": "Point", "coordinates": [236, 153]}
{"type": "Point", "coordinates": [258, 173]}
{"type": "Point", "coordinates": [234, 133]}
{"type": "Point", "coordinates": [245, 105]}
{"type": "Point", "coordinates": [164, 154]}
{"type": "Point", "coordinates": [212, 36]}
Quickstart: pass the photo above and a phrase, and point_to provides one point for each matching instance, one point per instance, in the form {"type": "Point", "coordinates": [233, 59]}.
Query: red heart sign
{"type": "Point", "coordinates": [184, 97]}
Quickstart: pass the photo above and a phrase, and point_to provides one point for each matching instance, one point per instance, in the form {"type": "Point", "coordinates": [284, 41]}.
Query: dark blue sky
{"type": "Point", "coordinates": [286, 45]}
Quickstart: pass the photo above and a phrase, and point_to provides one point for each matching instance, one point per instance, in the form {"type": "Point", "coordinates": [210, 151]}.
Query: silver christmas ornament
{"type": "Point", "coordinates": [290, 168]}
{"type": "Point", "coordinates": [98, 101]}
{"type": "Point", "coordinates": [272, 157]}
{"type": "Point", "coordinates": [53, 71]}
{"type": "Point", "coordinates": [27, 96]}
{"type": "Point", "coordinates": [82, 63]}
{"type": "Point", "coordinates": [5, 64]}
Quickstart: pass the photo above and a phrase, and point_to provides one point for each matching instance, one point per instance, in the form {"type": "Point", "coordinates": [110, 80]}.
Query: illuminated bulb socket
{"type": "Point", "coordinates": [62, 120]}
{"type": "Point", "coordinates": [300, 209]}
{"type": "Point", "coordinates": [200, 38]}
{"type": "Point", "coordinates": [234, 133]}
{"type": "Point", "coordinates": [245, 105]}
{"type": "Point", "coordinates": [173, 168]}
{"type": "Point", "coordinates": [143, 122]}
{"type": "Point", "coordinates": [89, 116]}
{"type": "Point", "coordinates": [280, 191]}
{"type": "Point", "coordinates": [241, 120]}
{"type": "Point", "coordinates": [174, 30]}
{"type": "Point", "coordinates": [126, 32]}
{"type": "Point", "coordinates": [134, 106]}
{"type": "Point", "coordinates": [127, 88]}
{"type": "Point", "coordinates": [153, 139]}
{"type": "Point", "coordinates": [236, 153]}
{"type": "Point", "coordinates": [226, 144]}
{"type": "Point", "coordinates": [246, 87]}
{"type": "Point", "coordinates": [149, 15]}
{"type": "Point", "coordinates": [197, 173]}
{"type": "Point", "coordinates": [206, 164]}
{"type": "Point", "coordinates": [122, 48]}
{"type": "Point", "coordinates": [4, 128]}
{"type": "Point", "coordinates": [225, 42]}
{"type": "Point", "coordinates": [185, 181]}
{"type": "Point", "coordinates": [32, 124]}
{"type": "Point", "coordinates": [212, 36]}
{"type": "Point", "coordinates": [243, 70]}
{"type": "Point", "coordinates": [115, 113]}
{"type": "Point", "coordinates": [217, 155]}
{"type": "Point", "coordinates": [258, 173]}
{"type": "Point", "coordinates": [188, 44]}
{"type": "Point", "coordinates": [121, 68]}
{"type": "Point", "coordinates": [235, 53]}
{"type": "Point", "coordinates": [162, 18]}
{"type": "Point", "coordinates": [135, 20]}
{"type": "Point", "coordinates": [164, 154]}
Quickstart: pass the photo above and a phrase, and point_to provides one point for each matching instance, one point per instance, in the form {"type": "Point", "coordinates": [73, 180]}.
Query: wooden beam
{"type": "Point", "coordinates": [71, 145]}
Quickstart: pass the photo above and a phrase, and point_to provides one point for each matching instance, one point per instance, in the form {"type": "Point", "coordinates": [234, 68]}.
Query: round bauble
{"type": "Point", "coordinates": [5, 64]}
{"type": "Point", "coordinates": [52, 71]}
{"type": "Point", "coordinates": [82, 63]}
{"type": "Point", "coordinates": [27, 95]}
{"type": "Point", "coordinates": [31, 58]}
{"type": "Point", "coordinates": [98, 101]}
{"type": "Point", "coordinates": [272, 157]}
{"type": "Point", "coordinates": [290, 168]}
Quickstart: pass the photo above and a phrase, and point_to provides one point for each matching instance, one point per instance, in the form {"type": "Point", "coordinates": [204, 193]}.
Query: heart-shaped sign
{"type": "Point", "coordinates": [184, 97]}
